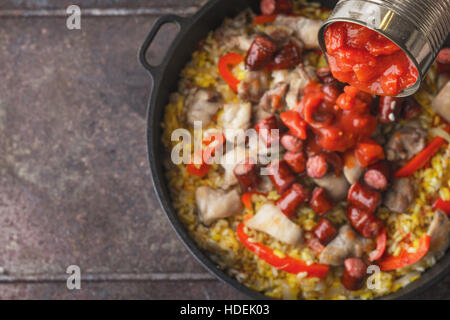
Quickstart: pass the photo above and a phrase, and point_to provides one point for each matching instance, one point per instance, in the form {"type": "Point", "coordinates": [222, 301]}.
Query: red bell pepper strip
{"type": "Point", "coordinates": [264, 19]}
{"type": "Point", "coordinates": [381, 246]}
{"type": "Point", "coordinates": [200, 170]}
{"type": "Point", "coordinates": [406, 258]}
{"type": "Point", "coordinates": [442, 205]}
{"type": "Point", "coordinates": [422, 158]}
{"type": "Point", "coordinates": [295, 123]}
{"type": "Point", "coordinates": [226, 62]}
{"type": "Point", "coordinates": [286, 263]}
{"type": "Point", "coordinates": [247, 198]}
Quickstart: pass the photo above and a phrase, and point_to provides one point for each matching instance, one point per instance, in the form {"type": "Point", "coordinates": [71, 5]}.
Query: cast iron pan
{"type": "Point", "coordinates": [165, 78]}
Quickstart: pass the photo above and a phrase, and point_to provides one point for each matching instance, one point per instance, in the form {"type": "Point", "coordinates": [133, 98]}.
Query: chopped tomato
{"type": "Point", "coordinates": [282, 262]}
{"type": "Point", "coordinates": [406, 258]}
{"type": "Point", "coordinates": [295, 123]}
{"type": "Point", "coordinates": [381, 246]}
{"type": "Point", "coordinates": [227, 62]}
{"type": "Point", "coordinates": [368, 153]}
{"type": "Point", "coordinates": [367, 60]}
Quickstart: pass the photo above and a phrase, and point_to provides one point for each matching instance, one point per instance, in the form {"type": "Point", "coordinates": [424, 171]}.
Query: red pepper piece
{"type": "Point", "coordinates": [246, 198]}
{"type": "Point", "coordinates": [406, 258]}
{"type": "Point", "coordinates": [286, 263]}
{"type": "Point", "coordinates": [227, 62]}
{"type": "Point", "coordinates": [422, 158]}
{"type": "Point", "coordinates": [442, 205]}
{"type": "Point", "coordinates": [381, 246]}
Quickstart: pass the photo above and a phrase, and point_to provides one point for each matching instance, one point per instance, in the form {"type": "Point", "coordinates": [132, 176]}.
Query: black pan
{"type": "Point", "coordinates": [165, 78]}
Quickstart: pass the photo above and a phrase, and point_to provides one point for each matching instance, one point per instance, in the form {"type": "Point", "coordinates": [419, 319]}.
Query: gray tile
{"type": "Point", "coordinates": [62, 4]}
{"type": "Point", "coordinates": [123, 290]}
{"type": "Point", "coordinates": [75, 185]}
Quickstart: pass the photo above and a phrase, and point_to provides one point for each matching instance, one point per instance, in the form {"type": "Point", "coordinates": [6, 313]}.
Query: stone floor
{"type": "Point", "coordinates": [75, 186]}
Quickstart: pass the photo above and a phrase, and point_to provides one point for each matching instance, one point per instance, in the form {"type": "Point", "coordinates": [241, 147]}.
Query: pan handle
{"type": "Point", "coordinates": [170, 18]}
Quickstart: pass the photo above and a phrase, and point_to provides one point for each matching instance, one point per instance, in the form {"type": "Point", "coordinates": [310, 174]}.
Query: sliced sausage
{"type": "Point", "coordinates": [325, 231]}
{"type": "Point", "coordinates": [291, 143]}
{"type": "Point", "coordinates": [247, 174]}
{"type": "Point", "coordinates": [281, 176]}
{"type": "Point", "coordinates": [377, 176]}
{"type": "Point", "coordinates": [292, 198]}
{"type": "Point", "coordinates": [320, 202]}
{"type": "Point", "coordinates": [411, 108]}
{"type": "Point", "coordinates": [364, 222]}
{"type": "Point", "coordinates": [297, 161]}
{"type": "Point", "coordinates": [364, 197]}
{"type": "Point", "coordinates": [266, 130]}
{"type": "Point", "coordinates": [389, 109]}
{"type": "Point", "coordinates": [288, 57]}
{"type": "Point", "coordinates": [317, 166]}
{"type": "Point", "coordinates": [354, 273]}
{"type": "Point", "coordinates": [260, 53]}
{"type": "Point", "coordinates": [269, 7]}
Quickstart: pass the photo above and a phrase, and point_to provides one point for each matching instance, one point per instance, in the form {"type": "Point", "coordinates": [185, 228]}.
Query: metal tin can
{"type": "Point", "coordinates": [418, 27]}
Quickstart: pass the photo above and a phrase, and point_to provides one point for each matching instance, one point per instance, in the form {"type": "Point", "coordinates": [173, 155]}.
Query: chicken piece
{"type": "Point", "coordinates": [352, 174]}
{"type": "Point", "coordinates": [271, 220]}
{"type": "Point", "coordinates": [336, 186]}
{"type": "Point", "coordinates": [441, 103]}
{"type": "Point", "coordinates": [235, 119]}
{"type": "Point", "coordinates": [345, 245]}
{"type": "Point", "coordinates": [305, 29]}
{"type": "Point", "coordinates": [202, 104]}
{"type": "Point", "coordinates": [405, 143]}
{"type": "Point", "coordinates": [400, 195]}
{"type": "Point", "coordinates": [254, 85]}
{"type": "Point", "coordinates": [241, 42]}
{"type": "Point", "coordinates": [439, 231]}
{"type": "Point", "coordinates": [228, 162]}
{"type": "Point", "coordinates": [279, 33]}
{"type": "Point", "coordinates": [274, 98]}
{"type": "Point", "coordinates": [217, 204]}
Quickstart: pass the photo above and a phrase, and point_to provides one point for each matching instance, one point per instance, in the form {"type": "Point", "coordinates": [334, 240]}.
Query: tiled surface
{"type": "Point", "coordinates": [74, 181]}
